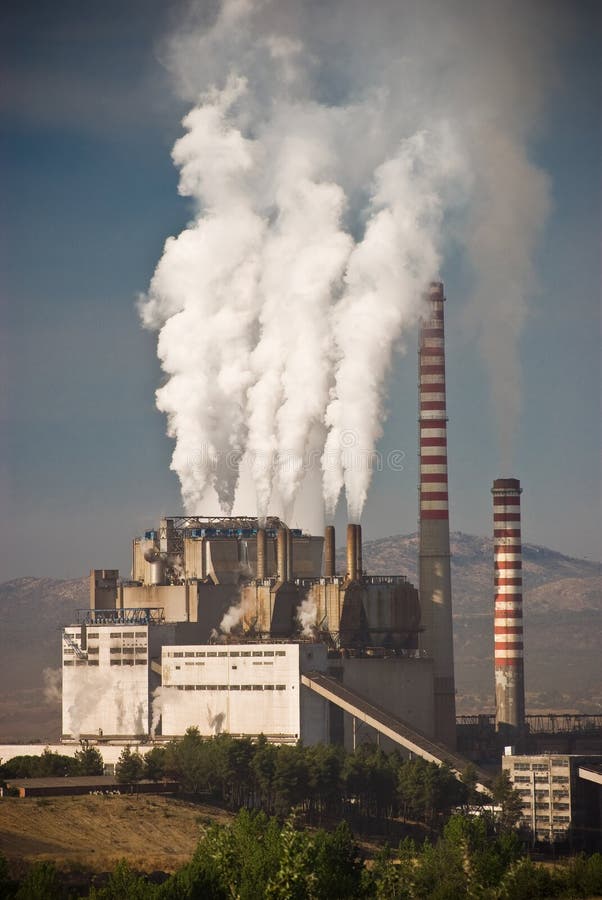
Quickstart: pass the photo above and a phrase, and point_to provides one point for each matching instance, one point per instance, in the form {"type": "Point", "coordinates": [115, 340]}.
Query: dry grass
{"type": "Point", "coordinates": [93, 833]}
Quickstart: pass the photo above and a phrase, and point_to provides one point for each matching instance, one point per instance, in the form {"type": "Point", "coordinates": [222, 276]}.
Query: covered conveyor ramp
{"type": "Point", "coordinates": [413, 741]}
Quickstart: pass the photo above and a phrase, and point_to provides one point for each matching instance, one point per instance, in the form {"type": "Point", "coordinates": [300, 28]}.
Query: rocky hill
{"type": "Point", "coordinates": [563, 630]}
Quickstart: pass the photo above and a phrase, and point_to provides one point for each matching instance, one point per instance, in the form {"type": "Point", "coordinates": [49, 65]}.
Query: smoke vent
{"type": "Point", "coordinates": [282, 553]}
{"type": "Point", "coordinates": [352, 552]}
{"type": "Point", "coordinates": [261, 552]}
{"type": "Point", "coordinates": [434, 560]}
{"type": "Point", "coordinates": [329, 552]}
{"type": "Point", "coordinates": [508, 620]}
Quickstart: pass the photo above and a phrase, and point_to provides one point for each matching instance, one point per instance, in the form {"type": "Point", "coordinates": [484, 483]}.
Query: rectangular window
{"type": "Point", "coordinates": [189, 687]}
{"type": "Point", "coordinates": [245, 687]}
{"type": "Point", "coordinates": [245, 652]}
{"type": "Point", "coordinates": [115, 634]}
{"type": "Point", "coordinates": [201, 653]}
{"type": "Point", "coordinates": [280, 687]}
{"type": "Point", "coordinates": [234, 687]}
{"type": "Point", "coordinates": [280, 653]}
{"type": "Point", "coordinates": [268, 652]}
{"type": "Point", "coordinates": [92, 651]}
{"type": "Point", "coordinates": [92, 635]}
{"type": "Point", "coordinates": [178, 654]}
{"type": "Point", "coordinates": [141, 662]}
{"type": "Point", "coordinates": [93, 662]}
{"type": "Point", "coordinates": [115, 651]}
{"type": "Point", "coordinates": [211, 653]}
{"type": "Point", "coordinates": [257, 652]}
{"type": "Point", "coordinates": [222, 653]}
{"type": "Point", "coordinates": [141, 634]}
{"type": "Point", "coordinates": [257, 687]}
{"type": "Point", "coordinates": [234, 653]}
{"type": "Point", "coordinates": [270, 663]}
{"type": "Point", "coordinates": [189, 653]}
{"type": "Point", "coordinates": [222, 687]}
{"type": "Point", "coordinates": [68, 662]}
{"type": "Point", "coordinates": [268, 687]}
{"type": "Point", "coordinates": [115, 662]}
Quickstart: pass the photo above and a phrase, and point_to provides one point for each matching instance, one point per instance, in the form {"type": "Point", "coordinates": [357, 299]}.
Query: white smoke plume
{"type": "Point", "coordinates": [52, 685]}
{"type": "Point", "coordinates": [307, 615]}
{"type": "Point", "coordinates": [334, 153]}
{"type": "Point", "coordinates": [161, 698]}
{"type": "Point", "coordinates": [235, 614]}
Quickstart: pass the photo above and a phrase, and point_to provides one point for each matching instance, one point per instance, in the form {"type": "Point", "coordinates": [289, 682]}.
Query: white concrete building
{"type": "Point", "coordinates": [243, 689]}
{"type": "Point", "coordinates": [106, 680]}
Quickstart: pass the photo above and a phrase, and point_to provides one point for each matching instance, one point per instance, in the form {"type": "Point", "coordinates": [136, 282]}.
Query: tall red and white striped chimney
{"type": "Point", "coordinates": [434, 559]}
{"type": "Point", "coordinates": [508, 620]}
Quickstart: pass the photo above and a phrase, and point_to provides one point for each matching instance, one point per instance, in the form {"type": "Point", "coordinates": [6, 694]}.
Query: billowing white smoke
{"type": "Point", "coordinates": [332, 149]}
{"type": "Point", "coordinates": [307, 615]}
{"type": "Point", "coordinates": [52, 685]}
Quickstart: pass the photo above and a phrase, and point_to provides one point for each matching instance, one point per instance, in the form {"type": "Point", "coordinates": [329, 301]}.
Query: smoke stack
{"type": "Point", "coordinates": [282, 553]}
{"type": "Point", "coordinates": [289, 555]}
{"type": "Point", "coordinates": [261, 552]}
{"type": "Point", "coordinates": [434, 574]}
{"type": "Point", "coordinates": [329, 552]}
{"type": "Point", "coordinates": [358, 551]}
{"type": "Point", "coordinates": [352, 552]}
{"type": "Point", "coordinates": [508, 623]}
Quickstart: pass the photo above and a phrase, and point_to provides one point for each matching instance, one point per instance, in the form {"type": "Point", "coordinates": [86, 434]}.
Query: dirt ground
{"type": "Point", "coordinates": [92, 833]}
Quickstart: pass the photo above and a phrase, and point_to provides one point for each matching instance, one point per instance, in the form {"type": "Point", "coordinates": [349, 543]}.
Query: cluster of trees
{"type": "Point", "coordinates": [87, 761]}
{"type": "Point", "coordinates": [324, 782]}
{"type": "Point", "coordinates": [257, 857]}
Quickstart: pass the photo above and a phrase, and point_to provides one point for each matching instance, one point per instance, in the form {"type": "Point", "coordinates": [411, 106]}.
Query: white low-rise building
{"type": "Point", "coordinates": [243, 689]}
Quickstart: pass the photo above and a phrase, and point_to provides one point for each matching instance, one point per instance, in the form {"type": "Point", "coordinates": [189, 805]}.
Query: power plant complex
{"type": "Point", "coordinates": [244, 625]}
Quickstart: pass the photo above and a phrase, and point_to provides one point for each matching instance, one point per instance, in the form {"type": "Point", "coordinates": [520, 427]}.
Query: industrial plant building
{"type": "Point", "coordinates": [246, 626]}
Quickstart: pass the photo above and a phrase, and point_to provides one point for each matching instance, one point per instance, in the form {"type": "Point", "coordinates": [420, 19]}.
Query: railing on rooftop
{"type": "Point", "coordinates": [131, 615]}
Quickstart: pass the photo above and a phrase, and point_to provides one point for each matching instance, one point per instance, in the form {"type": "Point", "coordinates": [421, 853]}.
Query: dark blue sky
{"type": "Point", "coordinates": [89, 196]}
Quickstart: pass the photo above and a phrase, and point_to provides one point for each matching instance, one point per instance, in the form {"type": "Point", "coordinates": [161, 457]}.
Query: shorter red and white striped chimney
{"type": "Point", "coordinates": [508, 619]}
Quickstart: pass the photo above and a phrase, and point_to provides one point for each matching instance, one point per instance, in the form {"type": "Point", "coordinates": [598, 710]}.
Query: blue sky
{"type": "Point", "coordinates": [89, 196]}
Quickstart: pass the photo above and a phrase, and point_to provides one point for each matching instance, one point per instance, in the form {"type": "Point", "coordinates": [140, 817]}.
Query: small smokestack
{"type": "Point", "coordinates": [358, 551]}
{"type": "Point", "coordinates": [329, 552]}
{"type": "Point", "coordinates": [352, 552]}
{"type": "Point", "coordinates": [434, 559]}
{"type": "Point", "coordinates": [282, 553]}
{"type": "Point", "coordinates": [289, 555]}
{"type": "Point", "coordinates": [261, 552]}
{"type": "Point", "coordinates": [508, 622]}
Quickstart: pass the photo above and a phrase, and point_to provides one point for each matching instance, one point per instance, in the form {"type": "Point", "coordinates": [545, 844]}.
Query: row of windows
{"type": "Point", "coordinates": [223, 653]}
{"type": "Point", "coordinates": [118, 634]}
{"type": "Point", "coordinates": [80, 662]}
{"type": "Point", "coordinates": [128, 662]}
{"type": "Point", "coordinates": [115, 650]}
{"type": "Point", "coordinates": [230, 687]}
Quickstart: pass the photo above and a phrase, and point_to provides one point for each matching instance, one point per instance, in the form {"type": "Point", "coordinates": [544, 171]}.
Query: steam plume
{"type": "Point", "coordinates": [333, 153]}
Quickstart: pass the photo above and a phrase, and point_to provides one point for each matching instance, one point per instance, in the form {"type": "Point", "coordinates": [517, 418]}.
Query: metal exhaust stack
{"type": "Point", "coordinates": [508, 623]}
{"type": "Point", "coordinates": [261, 552]}
{"type": "Point", "coordinates": [282, 553]}
{"type": "Point", "coordinates": [434, 559]}
{"type": "Point", "coordinates": [352, 552]}
{"type": "Point", "coordinates": [358, 551]}
{"type": "Point", "coordinates": [329, 552]}
{"type": "Point", "coordinates": [289, 555]}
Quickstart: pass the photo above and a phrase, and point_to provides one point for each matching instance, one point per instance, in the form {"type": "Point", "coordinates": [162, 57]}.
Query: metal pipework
{"type": "Point", "coordinates": [352, 552]}
{"type": "Point", "coordinates": [329, 552]}
{"type": "Point", "coordinates": [262, 548]}
{"type": "Point", "coordinates": [282, 553]}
